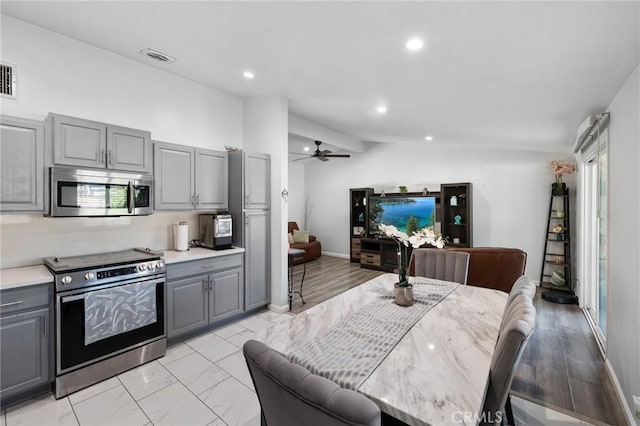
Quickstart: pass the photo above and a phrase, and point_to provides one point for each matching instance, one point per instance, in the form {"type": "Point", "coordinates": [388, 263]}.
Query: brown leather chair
{"type": "Point", "coordinates": [312, 249]}
{"type": "Point", "coordinates": [494, 267]}
{"type": "Point", "coordinates": [491, 267]}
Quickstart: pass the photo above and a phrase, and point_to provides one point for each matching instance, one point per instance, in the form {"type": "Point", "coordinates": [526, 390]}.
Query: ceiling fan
{"type": "Point", "coordinates": [323, 155]}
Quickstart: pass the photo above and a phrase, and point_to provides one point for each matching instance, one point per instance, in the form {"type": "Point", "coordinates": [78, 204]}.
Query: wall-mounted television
{"type": "Point", "coordinates": [408, 213]}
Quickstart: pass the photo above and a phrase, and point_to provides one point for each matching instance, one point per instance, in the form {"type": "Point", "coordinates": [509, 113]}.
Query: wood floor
{"type": "Point", "coordinates": [325, 278]}
{"type": "Point", "coordinates": [561, 367]}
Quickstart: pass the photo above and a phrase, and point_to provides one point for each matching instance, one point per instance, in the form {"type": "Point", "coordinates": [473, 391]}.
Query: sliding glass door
{"type": "Point", "coordinates": [594, 241]}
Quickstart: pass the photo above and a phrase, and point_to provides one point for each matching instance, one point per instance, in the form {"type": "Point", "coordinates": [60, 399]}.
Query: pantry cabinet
{"type": "Point", "coordinates": [86, 143]}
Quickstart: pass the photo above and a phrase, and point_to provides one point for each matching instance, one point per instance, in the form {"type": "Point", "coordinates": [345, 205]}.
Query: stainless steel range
{"type": "Point", "coordinates": [110, 315]}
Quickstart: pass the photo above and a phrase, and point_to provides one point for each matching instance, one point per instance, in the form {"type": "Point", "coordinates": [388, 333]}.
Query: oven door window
{"type": "Point", "coordinates": [92, 195]}
{"type": "Point", "coordinates": [72, 349]}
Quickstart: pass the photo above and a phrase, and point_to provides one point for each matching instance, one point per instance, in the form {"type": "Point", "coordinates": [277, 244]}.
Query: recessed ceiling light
{"type": "Point", "coordinates": [306, 149]}
{"type": "Point", "coordinates": [414, 44]}
{"type": "Point", "coordinates": [381, 109]}
{"type": "Point", "coordinates": [248, 75]}
{"type": "Point", "coordinates": [429, 138]}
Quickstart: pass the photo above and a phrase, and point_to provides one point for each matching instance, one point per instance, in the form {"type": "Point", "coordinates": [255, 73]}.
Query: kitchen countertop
{"type": "Point", "coordinates": [25, 276]}
{"type": "Point", "coordinates": [39, 274]}
{"type": "Point", "coordinates": [172, 256]}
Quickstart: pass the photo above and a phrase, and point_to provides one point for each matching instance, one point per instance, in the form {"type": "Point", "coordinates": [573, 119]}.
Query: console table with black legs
{"type": "Point", "coordinates": [295, 254]}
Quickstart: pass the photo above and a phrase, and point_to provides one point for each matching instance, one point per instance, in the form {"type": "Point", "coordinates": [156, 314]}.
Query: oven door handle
{"type": "Point", "coordinates": [66, 299]}
{"type": "Point", "coordinates": [131, 198]}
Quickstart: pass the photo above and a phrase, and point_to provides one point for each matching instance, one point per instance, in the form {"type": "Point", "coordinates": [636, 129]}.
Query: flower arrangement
{"type": "Point", "coordinates": [558, 229]}
{"type": "Point", "coordinates": [426, 235]}
{"type": "Point", "coordinates": [560, 169]}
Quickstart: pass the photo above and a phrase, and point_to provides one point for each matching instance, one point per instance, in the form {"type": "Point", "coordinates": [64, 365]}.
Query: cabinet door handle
{"type": "Point", "coordinates": [197, 199]}
{"type": "Point", "coordinates": [17, 302]}
{"type": "Point", "coordinates": [110, 162]}
{"type": "Point", "coordinates": [131, 197]}
{"type": "Point", "coordinates": [44, 326]}
{"type": "Point", "coordinates": [103, 158]}
{"type": "Point", "coordinates": [248, 199]}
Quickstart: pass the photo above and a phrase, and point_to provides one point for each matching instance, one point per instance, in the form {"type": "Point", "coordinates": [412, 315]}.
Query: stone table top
{"type": "Point", "coordinates": [437, 372]}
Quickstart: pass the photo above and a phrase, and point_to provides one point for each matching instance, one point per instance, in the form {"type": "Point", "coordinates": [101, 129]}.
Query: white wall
{"type": "Point", "coordinates": [623, 313]}
{"type": "Point", "coordinates": [511, 191]}
{"type": "Point", "coordinates": [266, 131]}
{"type": "Point", "coordinates": [59, 74]}
{"type": "Point", "coordinates": [297, 194]}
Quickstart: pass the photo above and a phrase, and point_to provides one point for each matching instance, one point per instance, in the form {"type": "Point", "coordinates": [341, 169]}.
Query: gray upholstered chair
{"type": "Point", "coordinates": [516, 329]}
{"type": "Point", "coordinates": [523, 285]}
{"type": "Point", "coordinates": [441, 264]}
{"type": "Point", "coordinates": [290, 395]}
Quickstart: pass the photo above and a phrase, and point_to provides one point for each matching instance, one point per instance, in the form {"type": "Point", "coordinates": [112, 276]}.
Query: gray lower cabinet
{"type": "Point", "coordinates": [203, 292]}
{"type": "Point", "coordinates": [86, 143]}
{"type": "Point", "coordinates": [187, 305]}
{"type": "Point", "coordinates": [21, 164]}
{"type": "Point", "coordinates": [225, 295]}
{"type": "Point", "coordinates": [25, 340]}
{"type": "Point", "coordinates": [188, 178]}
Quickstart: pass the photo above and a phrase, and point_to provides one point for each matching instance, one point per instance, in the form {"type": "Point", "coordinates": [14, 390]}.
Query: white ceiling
{"type": "Point", "coordinates": [509, 74]}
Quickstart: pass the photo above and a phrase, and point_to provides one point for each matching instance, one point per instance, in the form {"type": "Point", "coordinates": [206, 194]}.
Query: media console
{"type": "Point", "coordinates": [453, 217]}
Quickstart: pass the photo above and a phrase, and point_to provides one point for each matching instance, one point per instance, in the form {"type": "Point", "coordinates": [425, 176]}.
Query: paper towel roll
{"type": "Point", "coordinates": [181, 236]}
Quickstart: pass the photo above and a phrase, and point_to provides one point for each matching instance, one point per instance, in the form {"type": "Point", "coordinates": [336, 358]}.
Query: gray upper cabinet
{"type": "Point", "coordinates": [212, 173]}
{"type": "Point", "coordinates": [173, 176]}
{"type": "Point", "coordinates": [257, 181]}
{"type": "Point", "coordinates": [21, 164]}
{"type": "Point", "coordinates": [188, 178]}
{"type": "Point", "coordinates": [86, 143]}
{"type": "Point", "coordinates": [128, 149]}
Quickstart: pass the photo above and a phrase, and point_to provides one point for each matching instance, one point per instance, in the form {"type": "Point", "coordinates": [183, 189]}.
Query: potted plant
{"type": "Point", "coordinates": [560, 169]}
{"type": "Point", "coordinates": [403, 290]}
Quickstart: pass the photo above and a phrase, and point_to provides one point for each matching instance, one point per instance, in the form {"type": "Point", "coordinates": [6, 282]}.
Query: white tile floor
{"type": "Point", "coordinates": [203, 381]}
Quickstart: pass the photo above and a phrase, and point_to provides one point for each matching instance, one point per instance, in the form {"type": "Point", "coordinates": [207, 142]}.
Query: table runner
{"type": "Point", "coordinates": [350, 351]}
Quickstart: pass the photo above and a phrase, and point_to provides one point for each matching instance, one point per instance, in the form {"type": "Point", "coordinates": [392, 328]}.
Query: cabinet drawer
{"type": "Point", "coordinates": [370, 259]}
{"type": "Point", "coordinates": [13, 300]}
{"type": "Point", "coordinates": [203, 266]}
{"type": "Point", "coordinates": [355, 242]}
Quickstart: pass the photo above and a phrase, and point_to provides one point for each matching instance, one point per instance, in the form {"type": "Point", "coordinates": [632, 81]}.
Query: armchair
{"type": "Point", "coordinates": [312, 249]}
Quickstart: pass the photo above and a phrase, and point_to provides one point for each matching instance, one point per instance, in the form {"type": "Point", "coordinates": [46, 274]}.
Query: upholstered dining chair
{"type": "Point", "coordinates": [290, 395]}
{"type": "Point", "coordinates": [523, 285]}
{"type": "Point", "coordinates": [441, 264]}
{"type": "Point", "coordinates": [515, 331]}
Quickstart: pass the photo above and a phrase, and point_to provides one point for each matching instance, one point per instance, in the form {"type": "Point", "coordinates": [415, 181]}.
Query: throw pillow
{"type": "Point", "coordinates": [300, 236]}
{"type": "Point", "coordinates": [290, 237]}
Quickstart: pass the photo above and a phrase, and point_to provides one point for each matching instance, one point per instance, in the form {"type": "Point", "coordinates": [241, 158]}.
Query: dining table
{"type": "Point", "coordinates": [424, 364]}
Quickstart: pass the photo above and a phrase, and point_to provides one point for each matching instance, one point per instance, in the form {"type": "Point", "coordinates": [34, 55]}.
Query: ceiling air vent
{"type": "Point", "coordinates": [157, 56]}
{"type": "Point", "coordinates": [8, 80]}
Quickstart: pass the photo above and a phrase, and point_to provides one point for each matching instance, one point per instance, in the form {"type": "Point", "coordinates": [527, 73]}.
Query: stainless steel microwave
{"type": "Point", "coordinates": [88, 192]}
